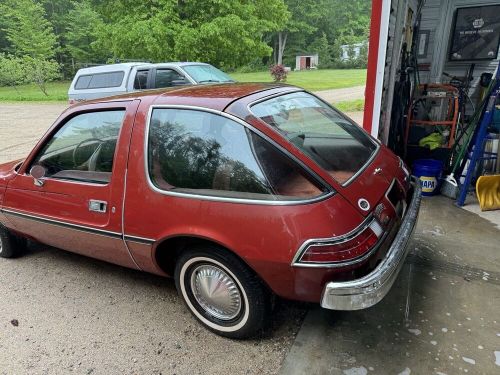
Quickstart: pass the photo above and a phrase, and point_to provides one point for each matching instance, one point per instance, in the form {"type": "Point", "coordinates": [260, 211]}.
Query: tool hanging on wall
{"type": "Point", "coordinates": [408, 80]}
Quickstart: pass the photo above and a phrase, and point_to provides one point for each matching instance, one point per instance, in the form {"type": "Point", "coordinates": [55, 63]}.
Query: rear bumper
{"type": "Point", "coordinates": [367, 291]}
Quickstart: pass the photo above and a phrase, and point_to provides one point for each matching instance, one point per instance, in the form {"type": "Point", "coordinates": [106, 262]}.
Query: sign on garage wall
{"type": "Point", "coordinates": [476, 33]}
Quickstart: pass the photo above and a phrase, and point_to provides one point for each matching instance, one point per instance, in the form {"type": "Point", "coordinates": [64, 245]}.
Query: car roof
{"type": "Point", "coordinates": [126, 66]}
{"type": "Point", "coordinates": [212, 96]}
{"type": "Point", "coordinates": [110, 67]}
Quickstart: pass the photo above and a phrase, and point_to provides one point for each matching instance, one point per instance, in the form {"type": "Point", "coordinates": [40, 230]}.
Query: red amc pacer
{"type": "Point", "coordinates": [239, 191]}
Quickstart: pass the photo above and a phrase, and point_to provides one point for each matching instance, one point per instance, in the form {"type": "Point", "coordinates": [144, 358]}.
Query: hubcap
{"type": "Point", "coordinates": [216, 292]}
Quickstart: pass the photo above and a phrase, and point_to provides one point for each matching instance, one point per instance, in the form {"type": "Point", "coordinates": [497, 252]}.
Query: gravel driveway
{"type": "Point", "coordinates": [62, 313]}
{"type": "Point", "coordinates": [22, 124]}
{"type": "Point", "coordinates": [340, 95]}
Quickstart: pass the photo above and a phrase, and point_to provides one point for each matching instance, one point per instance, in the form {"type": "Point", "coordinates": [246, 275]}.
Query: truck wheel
{"type": "Point", "coordinates": [222, 292]}
{"type": "Point", "coordinates": [11, 246]}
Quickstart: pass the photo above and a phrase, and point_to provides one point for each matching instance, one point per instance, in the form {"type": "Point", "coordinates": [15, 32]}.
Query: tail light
{"type": "Point", "coordinates": [344, 248]}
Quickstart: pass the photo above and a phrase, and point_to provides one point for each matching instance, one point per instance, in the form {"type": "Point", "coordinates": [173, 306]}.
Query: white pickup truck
{"type": "Point", "coordinates": [114, 79]}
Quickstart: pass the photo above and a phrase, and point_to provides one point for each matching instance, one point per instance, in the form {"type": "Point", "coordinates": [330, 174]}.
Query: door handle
{"type": "Point", "coordinates": [97, 206]}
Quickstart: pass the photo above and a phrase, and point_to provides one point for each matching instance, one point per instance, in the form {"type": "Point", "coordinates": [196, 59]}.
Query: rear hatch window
{"type": "Point", "coordinates": [99, 80]}
{"type": "Point", "coordinates": [333, 141]}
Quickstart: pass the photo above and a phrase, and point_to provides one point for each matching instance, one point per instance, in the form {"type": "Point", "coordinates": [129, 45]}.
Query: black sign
{"type": "Point", "coordinates": [476, 33]}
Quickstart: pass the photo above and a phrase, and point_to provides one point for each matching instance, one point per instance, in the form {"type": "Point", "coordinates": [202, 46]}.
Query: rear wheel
{"type": "Point", "coordinates": [11, 246]}
{"type": "Point", "coordinates": [222, 292]}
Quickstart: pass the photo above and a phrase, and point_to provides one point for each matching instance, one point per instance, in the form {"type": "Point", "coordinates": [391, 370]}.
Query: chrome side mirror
{"type": "Point", "coordinates": [37, 172]}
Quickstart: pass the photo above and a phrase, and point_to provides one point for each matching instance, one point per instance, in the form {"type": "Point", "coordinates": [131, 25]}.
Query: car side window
{"type": "Point", "coordinates": [201, 153]}
{"type": "Point", "coordinates": [141, 80]}
{"type": "Point", "coordinates": [169, 78]}
{"type": "Point", "coordinates": [83, 148]}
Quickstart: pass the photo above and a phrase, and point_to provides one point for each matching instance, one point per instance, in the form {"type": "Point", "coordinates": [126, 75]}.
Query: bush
{"type": "Point", "coordinates": [254, 66]}
{"type": "Point", "coordinates": [278, 72]}
{"type": "Point", "coordinates": [11, 71]}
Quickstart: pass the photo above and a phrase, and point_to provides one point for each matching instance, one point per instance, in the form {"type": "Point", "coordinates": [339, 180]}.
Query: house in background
{"type": "Point", "coordinates": [306, 61]}
{"type": "Point", "coordinates": [351, 51]}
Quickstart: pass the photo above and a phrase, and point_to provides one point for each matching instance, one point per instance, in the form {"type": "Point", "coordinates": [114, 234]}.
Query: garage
{"type": "Point", "coordinates": [432, 76]}
{"type": "Point", "coordinates": [441, 317]}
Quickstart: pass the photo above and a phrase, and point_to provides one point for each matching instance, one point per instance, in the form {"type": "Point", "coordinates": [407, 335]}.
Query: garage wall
{"type": "Point", "coordinates": [437, 16]}
{"type": "Point", "coordinates": [397, 20]}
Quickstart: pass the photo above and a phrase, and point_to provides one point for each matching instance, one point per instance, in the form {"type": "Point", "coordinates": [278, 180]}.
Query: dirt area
{"type": "Point", "coordinates": [84, 316]}
{"type": "Point", "coordinates": [22, 125]}
{"type": "Point", "coordinates": [62, 313]}
{"type": "Point", "coordinates": [340, 95]}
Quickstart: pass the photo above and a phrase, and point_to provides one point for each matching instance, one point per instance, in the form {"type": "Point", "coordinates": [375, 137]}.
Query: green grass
{"type": "Point", "coordinates": [58, 91]}
{"type": "Point", "coordinates": [350, 105]}
{"type": "Point", "coordinates": [314, 80]}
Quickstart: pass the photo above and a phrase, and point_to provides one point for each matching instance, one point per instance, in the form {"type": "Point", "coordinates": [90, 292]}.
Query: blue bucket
{"type": "Point", "coordinates": [429, 172]}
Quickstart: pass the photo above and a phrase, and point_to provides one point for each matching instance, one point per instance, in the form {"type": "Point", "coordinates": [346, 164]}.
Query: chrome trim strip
{"type": "Point", "coordinates": [81, 228]}
{"type": "Point", "coordinates": [368, 290]}
{"type": "Point", "coordinates": [271, 96]}
{"type": "Point", "coordinates": [368, 162]}
{"type": "Point", "coordinates": [125, 179]}
{"type": "Point", "coordinates": [322, 197]}
{"type": "Point", "coordinates": [141, 240]}
{"type": "Point", "coordinates": [69, 181]}
{"type": "Point", "coordinates": [51, 221]}
{"type": "Point", "coordinates": [296, 262]}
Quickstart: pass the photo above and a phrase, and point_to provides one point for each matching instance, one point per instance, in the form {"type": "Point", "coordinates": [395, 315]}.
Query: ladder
{"type": "Point", "coordinates": [476, 151]}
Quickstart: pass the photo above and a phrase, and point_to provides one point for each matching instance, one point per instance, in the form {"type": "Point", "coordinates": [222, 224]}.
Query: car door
{"type": "Point", "coordinates": [142, 79]}
{"type": "Point", "coordinates": [77, 205]}
{"type": "Point", "coordinates": [167, 77]}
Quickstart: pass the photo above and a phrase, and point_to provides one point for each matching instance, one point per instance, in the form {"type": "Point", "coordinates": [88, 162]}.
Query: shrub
{"type": "Point", "coordinates": [11, 71]}
{"type": "Point", "coordinates": [278, 72]}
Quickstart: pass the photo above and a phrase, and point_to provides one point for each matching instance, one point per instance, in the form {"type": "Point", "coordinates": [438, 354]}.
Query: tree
{"type": "Point", "coordinates": [224, 33]}
{"type": "Point", "coordinates": [27, 30]}
{"type": "Point", "coordinates": [80, 32]}
{"type": "Point", "coordinates": [321, 46]}
{"type": "Point", "coordinates": [11, 71]}
{"type": "Point", "coordinates": [302, 17]}
{"type": "Point", "coordinates": [345, 22]}
{"type": "Point", "coordinates": [40, 71]}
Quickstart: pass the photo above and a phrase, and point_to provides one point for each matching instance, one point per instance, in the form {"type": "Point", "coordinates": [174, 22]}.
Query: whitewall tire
{"type": "Point", "coordinates": [222, 292]}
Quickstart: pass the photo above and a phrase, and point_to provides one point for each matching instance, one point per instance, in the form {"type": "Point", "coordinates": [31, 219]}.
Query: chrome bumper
{"type": "Point", "coordinates": [370, 289]}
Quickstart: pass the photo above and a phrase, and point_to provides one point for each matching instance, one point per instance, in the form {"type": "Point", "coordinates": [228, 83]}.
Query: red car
{"type": "Point", "coordinates": [238, 191]}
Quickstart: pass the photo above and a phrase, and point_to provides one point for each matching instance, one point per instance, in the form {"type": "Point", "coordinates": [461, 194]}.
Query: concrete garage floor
{"type": "Point", "coordinates": [441, 317]}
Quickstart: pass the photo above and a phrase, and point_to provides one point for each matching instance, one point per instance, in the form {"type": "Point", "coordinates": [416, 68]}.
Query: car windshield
{"type": "Point", "coordinates": [206, 73]}
{"type": "Point", "coordinates": [334, 142]}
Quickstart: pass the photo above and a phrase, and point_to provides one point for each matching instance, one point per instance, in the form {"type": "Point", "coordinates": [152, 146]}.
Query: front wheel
{"type": "Point", "coordinates": [11, 246]}
{"type": "Point", "coordinates": [222, 292]}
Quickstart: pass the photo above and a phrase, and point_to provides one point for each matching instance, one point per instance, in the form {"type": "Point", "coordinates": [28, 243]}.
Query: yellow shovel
{"type": "Point", "coordinates": [488, 192]}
